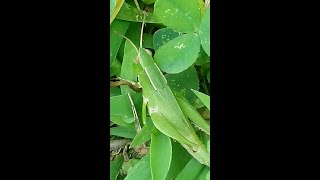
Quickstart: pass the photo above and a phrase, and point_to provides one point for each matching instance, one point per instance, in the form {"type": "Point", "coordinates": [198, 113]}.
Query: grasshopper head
{"type": "Point", "coordinates": [145, 58]}
{"type": "Point", "coordinates": [137, 68]}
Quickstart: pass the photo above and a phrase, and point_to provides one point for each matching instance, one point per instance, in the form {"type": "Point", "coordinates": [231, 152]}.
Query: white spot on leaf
{"type": "Point", "coordinates": [179, 46]}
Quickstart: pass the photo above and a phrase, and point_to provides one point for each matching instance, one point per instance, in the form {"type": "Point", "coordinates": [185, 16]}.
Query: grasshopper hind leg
{"type": "Point", "coordinates": [161, 124]}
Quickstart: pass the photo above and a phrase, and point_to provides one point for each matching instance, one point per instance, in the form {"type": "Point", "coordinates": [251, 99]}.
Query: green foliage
{"type": "Point", "coordinates": [160, 155]}
{"type": "Point", "coordinates": [191, 171]}
{"type": "Point", "coordinates": [204, 31]}
{"type": "Point", "coordinates": [177, 35]}
{"type": "Point", "coordinates": [178, 54]}
{"type": "Point", "coordinates": [183, 82]}
{"type": "Point", "coordinates": [182, 16]}
{"type": "Point", "coordinates": [115, 166]}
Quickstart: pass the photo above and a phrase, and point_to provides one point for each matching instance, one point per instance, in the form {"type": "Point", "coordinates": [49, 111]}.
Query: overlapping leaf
{"type": "Point", "coordinates": [182, 16]}
{"type": "Point", "coordinates": [178, 54]}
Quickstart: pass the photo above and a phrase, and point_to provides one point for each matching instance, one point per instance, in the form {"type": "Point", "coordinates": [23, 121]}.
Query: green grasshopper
{"type": "Point", "coordinates": [164, 109]}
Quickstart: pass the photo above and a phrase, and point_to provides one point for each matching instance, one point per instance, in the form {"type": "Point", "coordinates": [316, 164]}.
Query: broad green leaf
{"type": "Point", "coordinates": [204, 31]}
{"type": "Point", "coordinates": [208, 76]}
{"type": "Point", "coordinates": [123, 132]}
{"type": "Point", "coordinates": [115, 68]}
{"type": "Point", "coordinates": [116, 28]}
{"type": "Point", "coordinates": [180, 158]}
{"type": "Point", "coordinates": [118, 119]}
{"type": "Point", "coordinates": [178, 54]}
{"type": "Point", "coordinates": [182, 16]}
{"type": "Point", "coordinates": [204, 173]}
{"type": "Point", "coordinates": [191, 171]}
{"type": "Point", "coordinates": [134, 33]}
{"type": "Point", "coordinates": [160, 155]}
{"type": "Point", "coordinates": [130, 13]}
{"type": "Point", "coordinates": [140, 171]}
{"type": "Point", "coordinates": [144, 134]}
{"type": "Point", "coordinates": [183, 82]}
{"type": "Point", "coordinates": [115, 91]}
{"type": "Point", "coordinates": [163, 36]}
{"type": "Point", "coordinates": [119, 4]}
{"type": "Point", "coordinates": [115, 166]}
{"type": "Point", "coordinates": [204, 98]}
{"type": "Point", "coordinates": [113, 4]}
{"type": "Point", "coordinates": [126, 69]}
{"type": "Point", "coordinates": [120, 105]}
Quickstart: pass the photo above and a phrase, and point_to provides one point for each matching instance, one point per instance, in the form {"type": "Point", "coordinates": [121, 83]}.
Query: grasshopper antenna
{"type": "Point", "coordinates": [143, 23]}
{"type": "Point", "coordinates": [128, 40]}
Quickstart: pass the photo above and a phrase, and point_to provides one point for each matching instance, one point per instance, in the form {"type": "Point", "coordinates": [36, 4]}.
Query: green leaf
{"type": "Point", "coordinates": [208, 76]}
{"type": "Point", "coordinates": [160, 155]}
{"type": "Point", "coordinates": [183, 15]}
{"type": "Point", "coordinates": [120, 105]}
{"type": "Point", "coordinates": [123, 132]}
{"type": "Point", "coordinates": [183, 82]}
{"type": "Point", "coordinates": [180, 158]}
{"type": "Point", "coordinates": [163, 36]}
{"type": "Point", "coordinates": [204, 32]}
{"type": "Point", "coordinates": [115, 166]}
{"type": "Point", "coordinates": [118, 119]}
{"type": "Point", "coordinates": [134, 33]}
{"type": "Point", "coordinates": [197, 104]}
{"type": "Point", "coordinates": [144, 134]}
{"type": "Point", "coordinates": [113, 4]}
{"type": "Point", "coordinates": [115, 91]}
{"type": "Point", "coordinates": [141, 170]}
{"type": "Point", "coordinates": [126, 70]}
{"type": "Point", "coordinates": [204, 98]}
{"type": "Point", "coordinates": [116, 27]}
{"type": "Point", "coordinates": [178, 54]}
{"type": "Point", "coordinates": [204, 173]}
{"type": "Point", "coordinates": [130, 13]}
{"type": "Point", "coordinates": [191, 171]}
{"type": "Point", "coordinates": [119, 4]}
{"type": "Point", "coordinates": [115, 68]}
